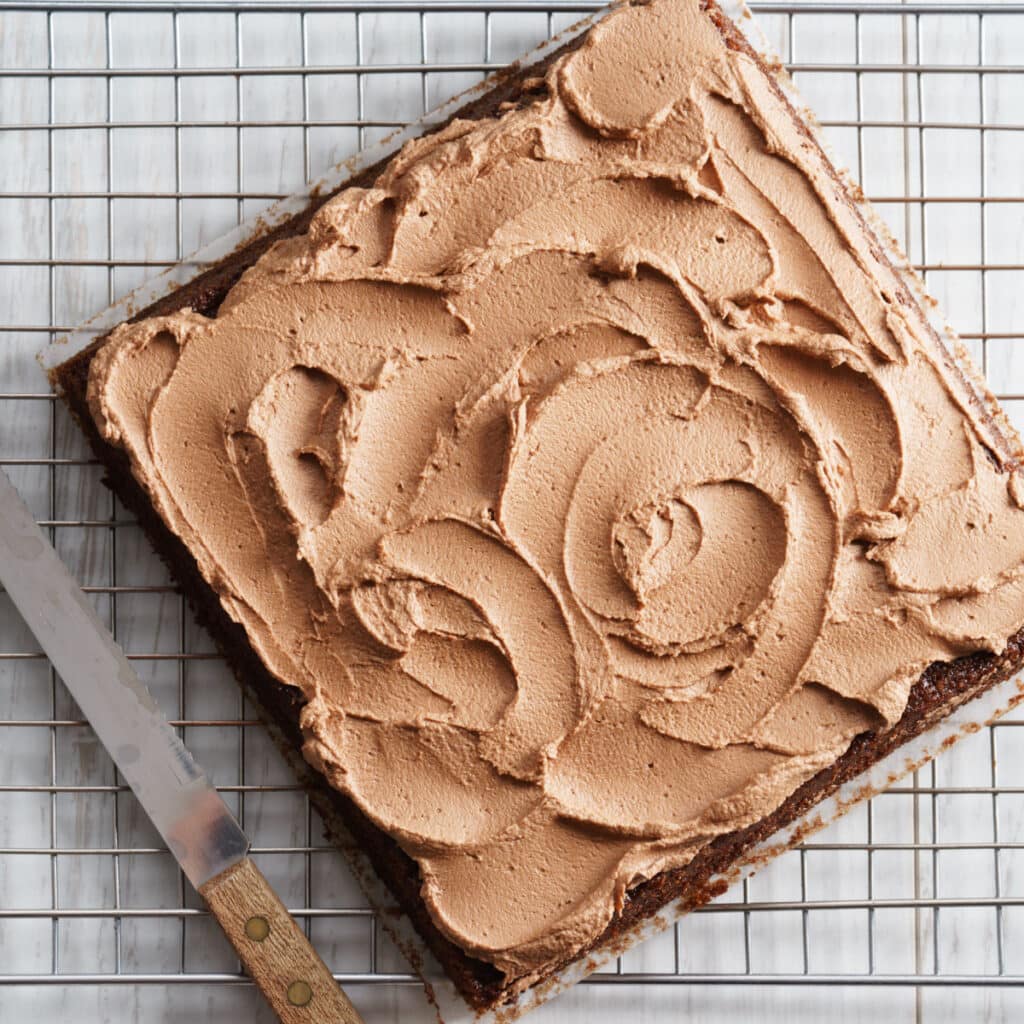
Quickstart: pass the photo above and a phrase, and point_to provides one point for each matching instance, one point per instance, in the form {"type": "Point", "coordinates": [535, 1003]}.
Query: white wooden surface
{"type": "Point", "coordinates": [80, 226]}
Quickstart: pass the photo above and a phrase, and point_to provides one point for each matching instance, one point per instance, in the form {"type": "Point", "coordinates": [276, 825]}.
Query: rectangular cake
{"type": "Point", "coordinates": [582, 493]}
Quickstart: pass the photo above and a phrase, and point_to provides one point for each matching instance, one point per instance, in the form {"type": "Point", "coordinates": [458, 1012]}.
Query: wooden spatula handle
{"type": "Point", "coordinates": [278, 957]}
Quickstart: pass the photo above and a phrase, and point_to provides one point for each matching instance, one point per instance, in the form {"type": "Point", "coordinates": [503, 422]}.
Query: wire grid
{"type": "Point", "coordinates": [132, 133]}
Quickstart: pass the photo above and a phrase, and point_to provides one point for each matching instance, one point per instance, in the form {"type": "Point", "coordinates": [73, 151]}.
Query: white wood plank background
{"type": "Point", "coordinates": [68, 221]}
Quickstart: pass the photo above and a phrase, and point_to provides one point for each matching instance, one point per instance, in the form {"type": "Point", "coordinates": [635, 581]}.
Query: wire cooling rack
{"type": "Point", "coordinates": [130, 134]}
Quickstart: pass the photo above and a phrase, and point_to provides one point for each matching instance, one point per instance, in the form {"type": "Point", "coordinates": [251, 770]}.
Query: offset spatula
{"type": "Point", "coordinates": [174, 791]}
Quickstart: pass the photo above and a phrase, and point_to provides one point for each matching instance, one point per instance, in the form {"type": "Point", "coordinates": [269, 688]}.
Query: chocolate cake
{"type": "Point", "coordinates": [582, 493]}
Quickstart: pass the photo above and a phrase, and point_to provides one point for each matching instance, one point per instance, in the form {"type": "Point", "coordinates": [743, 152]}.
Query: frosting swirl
{"type": "Point", "coordinates": [588, 475]}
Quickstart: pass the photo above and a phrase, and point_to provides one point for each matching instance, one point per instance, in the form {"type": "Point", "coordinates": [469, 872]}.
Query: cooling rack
{"type": "Point", "coordinates": [131, 134]}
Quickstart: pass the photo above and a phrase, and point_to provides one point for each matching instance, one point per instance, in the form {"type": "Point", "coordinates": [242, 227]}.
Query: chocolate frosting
{"type": "Point", "coordinates": [591, 475]}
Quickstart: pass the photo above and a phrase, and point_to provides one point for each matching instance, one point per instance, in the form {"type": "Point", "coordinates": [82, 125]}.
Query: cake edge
{"type": "Point", "coordinates": [942, 688]}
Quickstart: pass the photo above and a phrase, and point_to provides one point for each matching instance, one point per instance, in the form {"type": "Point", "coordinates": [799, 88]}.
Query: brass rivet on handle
{"type": "Point", "coordinates": [257, 928]}
{"type": "Point", "coordinates": [300, 993]}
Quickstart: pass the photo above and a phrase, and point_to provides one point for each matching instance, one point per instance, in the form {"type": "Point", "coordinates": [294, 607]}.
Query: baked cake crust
{"type": "Point", "coordinates": [941, 688]}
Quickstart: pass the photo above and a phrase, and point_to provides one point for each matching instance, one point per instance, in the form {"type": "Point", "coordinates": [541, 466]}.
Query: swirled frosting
{"type": "Point", "coordinates": [592, 475]}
